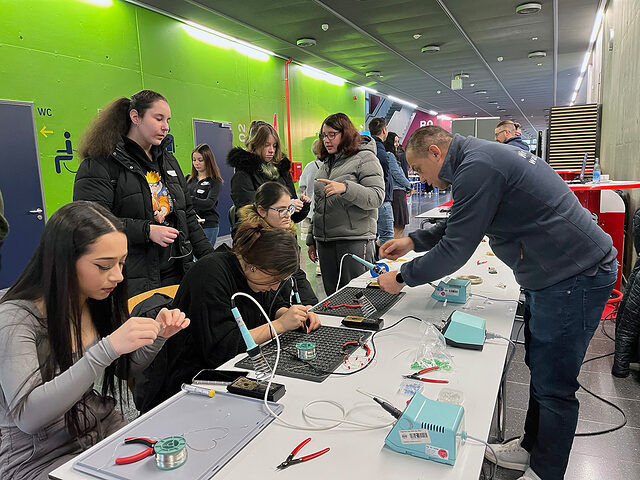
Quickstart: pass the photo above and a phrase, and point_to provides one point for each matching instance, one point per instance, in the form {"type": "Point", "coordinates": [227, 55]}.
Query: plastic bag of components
{"type": "Point", "coordinates": [431, 351]}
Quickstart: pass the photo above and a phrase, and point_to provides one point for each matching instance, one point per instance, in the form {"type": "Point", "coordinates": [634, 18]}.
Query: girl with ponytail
{"type": "Point", "coordinates": [262, 257]}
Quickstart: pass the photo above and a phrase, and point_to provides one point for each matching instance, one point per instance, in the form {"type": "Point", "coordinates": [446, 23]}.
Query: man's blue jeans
{"type": "Point", "coordinates": [559, 323]}
{"type": "Point", "coordinates": [385, 222]}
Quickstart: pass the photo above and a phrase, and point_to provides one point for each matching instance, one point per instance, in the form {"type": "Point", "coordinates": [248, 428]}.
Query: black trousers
{"type": "Point", "coordinates": [330, 253]}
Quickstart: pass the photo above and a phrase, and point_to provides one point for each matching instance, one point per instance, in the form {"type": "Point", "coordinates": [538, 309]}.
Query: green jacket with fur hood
{"type": "Point", "coordinates": [353, 214]}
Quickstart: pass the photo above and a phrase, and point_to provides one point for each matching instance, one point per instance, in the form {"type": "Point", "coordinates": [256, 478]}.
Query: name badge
{"type": "Point", "coordinates": [199, 191]}
{"type": "Point", "coordinates": [172, 173]}
{"type": "Point", "coordinates": [205, 183]}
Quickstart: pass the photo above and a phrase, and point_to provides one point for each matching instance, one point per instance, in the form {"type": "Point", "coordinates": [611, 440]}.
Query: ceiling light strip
{"type": "Point", "coordinates": [391, 49]}
{"type": "Point", "coordinates": [475, 49]}
{"type": "Point", "coordinates": [597, 25]}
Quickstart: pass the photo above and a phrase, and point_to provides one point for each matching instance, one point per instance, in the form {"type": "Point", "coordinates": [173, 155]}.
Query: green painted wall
{"type": "Point", "coordinates": [70, 58]}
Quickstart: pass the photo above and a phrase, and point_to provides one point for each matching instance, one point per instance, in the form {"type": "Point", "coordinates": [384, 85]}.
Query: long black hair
{"type": "Point", "coordinates": [51, 276]}
{"type": "Point", "coordinates": [390, 143]}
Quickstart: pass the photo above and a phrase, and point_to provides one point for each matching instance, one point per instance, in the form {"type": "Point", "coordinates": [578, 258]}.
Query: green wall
{"type": "Point", "coordinates": [70, 58]}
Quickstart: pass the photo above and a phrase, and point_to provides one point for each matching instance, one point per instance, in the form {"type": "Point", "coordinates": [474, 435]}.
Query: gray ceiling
{"type": "Point", "coordinates": [366, 35]}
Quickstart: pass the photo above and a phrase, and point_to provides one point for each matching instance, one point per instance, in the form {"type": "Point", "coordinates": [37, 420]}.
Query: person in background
{"type": "Point", "coordinates": [401, 186]}
{"type": "Point", "coordinates": [262, 161]}
{"type": "Point", "coordinates": [261, 259]}
{"type": "Point", "coordinates": [563, 260]}
{"type": "Point", "coordinates": [505, 132]}
{"type": "Point", "coordinates": [273, 208]}
{"type": "Point", "coordinates": [63, 325]}
{"type": "Point", "coordinates": [378, 129]}
{"type": "Point", "coordinates": [348, 192]}
{"type": "Point", "coordinates": [127, 169]}
{"type": "Point", "coordinates": [204, 185]}
{"type": "Point", "coordinates": [4, 227]}
{"type": "Point", "coordinates": [305, 187]}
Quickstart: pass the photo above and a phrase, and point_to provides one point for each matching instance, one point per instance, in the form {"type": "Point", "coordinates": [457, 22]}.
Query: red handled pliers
{"type": "Point", "coordinates": [138, 456]}
{"type": "Point", "coordinates": [416, 376]}
{"type": "Point", "coordinates": [292, 461]}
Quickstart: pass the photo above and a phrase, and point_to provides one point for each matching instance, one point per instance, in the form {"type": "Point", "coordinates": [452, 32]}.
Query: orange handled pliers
{"type": "Point", "coordinates": [292, 461]}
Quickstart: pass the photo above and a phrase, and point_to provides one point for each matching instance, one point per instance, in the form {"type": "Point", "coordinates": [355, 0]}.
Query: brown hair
{"type": "Point", "coordinates": [113, 122]}
{"type": "Point", "coordinates": [350, 137]}
{"type": "Point", "coordinates": [376, 125]}
{"type": "Point", "coordinates": [275, 251]}
{"type": "Point", "coordinates": [509, 124]}
{"type": "Point", "coordinates": [259, 136]}
{"type": "Point", "coordinates": [210, 164]}
{"type": "Point", "coordinates": [424, 137]}
{"type": "Point", "coordinates": [316, 147]}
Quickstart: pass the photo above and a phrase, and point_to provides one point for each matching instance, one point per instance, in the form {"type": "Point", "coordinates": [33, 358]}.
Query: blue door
{"type": "Point", "coordinates": [219, 136]}
{"type": "Point", "coordinates": [21, 188]}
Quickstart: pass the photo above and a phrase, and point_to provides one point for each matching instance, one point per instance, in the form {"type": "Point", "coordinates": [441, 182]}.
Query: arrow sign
{"type": "Point", "coordinates": [44, 131]}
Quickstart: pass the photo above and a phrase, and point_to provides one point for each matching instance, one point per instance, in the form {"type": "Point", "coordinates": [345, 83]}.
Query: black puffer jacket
{"type": "Point", "coordinates": [118, 183]}
{"type": "Point", "coordinates": [628, 316]}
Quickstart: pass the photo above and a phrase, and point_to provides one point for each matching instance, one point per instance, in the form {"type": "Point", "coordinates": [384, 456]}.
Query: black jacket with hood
{"type": "Point", "coordinates": [118, 183]}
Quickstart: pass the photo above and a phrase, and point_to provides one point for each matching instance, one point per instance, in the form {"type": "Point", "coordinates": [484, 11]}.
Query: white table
{"type": "Point", "coordinates": [357, 453]}
{"type": "Point", "coordinates": [433, 215]}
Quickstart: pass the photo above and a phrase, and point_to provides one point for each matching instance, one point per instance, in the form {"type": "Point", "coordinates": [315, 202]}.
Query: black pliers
{"type": "Point", "coordinates": [292, 461]}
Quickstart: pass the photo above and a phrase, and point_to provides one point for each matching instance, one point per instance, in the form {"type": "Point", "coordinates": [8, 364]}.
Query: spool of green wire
{"type": "Point", "coordinates": [171, 452]}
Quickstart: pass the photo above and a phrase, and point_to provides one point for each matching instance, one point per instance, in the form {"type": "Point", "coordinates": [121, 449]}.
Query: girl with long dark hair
{"type": "Point", "coordinates": [401, 185]}
{"type": "Point", "coordinates": [348, 192]}
{"type": "Point", "coordinates": [64, 324]}
{"type": "Point", "coordinates": [204, 185]}
{"type": "Point", "coordinates": [127, 168]}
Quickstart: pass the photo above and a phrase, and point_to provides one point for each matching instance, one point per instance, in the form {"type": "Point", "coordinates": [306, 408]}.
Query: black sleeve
{"type": "Point", "coordinates": [302, 214]}
{"type": "Point", "coordinates": [242, 190]}
{"type": "Point", "coordinates": [205, 204]}
{"type": "Point", "coordinates": [305, 290]}
{"type": "Point", "coordinates": [94, 183]}
{"type": "Point", "coordinates": [205, 296]}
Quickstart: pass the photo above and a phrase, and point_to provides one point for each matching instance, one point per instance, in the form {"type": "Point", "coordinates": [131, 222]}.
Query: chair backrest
{"type": "Point", "coordinates": [169, 290]}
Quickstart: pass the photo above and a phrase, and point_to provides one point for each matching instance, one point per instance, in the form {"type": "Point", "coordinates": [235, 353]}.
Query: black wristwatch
{"type": "Point", "coordinates": [399, 278]}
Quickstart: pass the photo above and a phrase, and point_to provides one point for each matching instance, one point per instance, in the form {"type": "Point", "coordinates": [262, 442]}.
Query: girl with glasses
{"type": "Point", "coordinates": [262, 161]}
{"type": "Point", "coordinates": [63, 325]}
{"type": "Point", "coordinates": [349, 189]}
{"type": "Point", "coordinates": [273, 208]}
{"type": "Point", "coordinates": [261, 258]}
{"type": "Point", "coordinates": [127, 168]}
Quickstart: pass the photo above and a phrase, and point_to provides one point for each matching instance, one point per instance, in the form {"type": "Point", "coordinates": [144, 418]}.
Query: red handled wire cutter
{"type": "Point", "coordinates": [292, 461]}
{"type": "Point", "coordinates": [416, 376]}
{"type": "Point", "coordinates": [138, 456]}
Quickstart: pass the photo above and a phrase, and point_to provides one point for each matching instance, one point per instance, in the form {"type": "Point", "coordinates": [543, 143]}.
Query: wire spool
{"type": "Point", "coordinates": [474, 279]}
{"type": "Point", "coordinates": [171, 452]}
{"type": "Point", "coordinates": [306, 350]}
{"type": "Point", "coordinates": [381, 265]}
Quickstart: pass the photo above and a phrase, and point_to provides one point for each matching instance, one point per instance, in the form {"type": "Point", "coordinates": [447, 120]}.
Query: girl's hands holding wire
{"type": "Point", "coordinates": [294, 317]}
{"type": "Point", "coordinates": [134, 333]}
{"type": "Point", "coordinates": [313, 321]}
{"type": "Point", "coordinates": [171, 321]}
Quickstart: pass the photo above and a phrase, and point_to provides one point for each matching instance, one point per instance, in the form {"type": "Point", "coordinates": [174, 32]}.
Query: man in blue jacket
{"type": "Point", "coordinates": [507, 132]}
{"type": "Point", "coordinates": [378, 130]}
{"type": "Point", "coordinates": [564, 261]}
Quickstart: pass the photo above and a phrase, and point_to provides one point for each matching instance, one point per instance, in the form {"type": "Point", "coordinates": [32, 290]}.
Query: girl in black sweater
{"type": "Point", "coordinates": [204, 185]}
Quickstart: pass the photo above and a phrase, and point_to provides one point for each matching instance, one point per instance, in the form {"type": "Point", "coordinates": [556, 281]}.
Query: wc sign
{"type": "Point", "coordinates": [426, 123]}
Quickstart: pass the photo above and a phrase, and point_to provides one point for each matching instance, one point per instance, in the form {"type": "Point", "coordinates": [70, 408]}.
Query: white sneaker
{"type": "Point", "coordinates": [529, 475]}
{"type": "Point", "coordinates": [510, 455]}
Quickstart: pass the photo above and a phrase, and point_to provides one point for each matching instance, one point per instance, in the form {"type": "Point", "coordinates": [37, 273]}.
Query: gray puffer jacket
{"type": "Point", "coordinates": [353, 214]}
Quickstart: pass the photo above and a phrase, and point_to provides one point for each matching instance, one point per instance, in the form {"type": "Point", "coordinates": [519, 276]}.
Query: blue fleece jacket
{"type": "Point", "coordinates": [535, 224]}
{"type": "Point", "coordinates": [517, 142]}
{"type": "Point", "coordinates": [384, 161]}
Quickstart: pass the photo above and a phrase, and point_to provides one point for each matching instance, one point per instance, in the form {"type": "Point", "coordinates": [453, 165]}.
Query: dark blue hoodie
{"type": "Point", "coordinates": [517, 142]}
{"type": "Point", "coordinates": [535, 224]}
{"type": "Point", "coordinates": [383, 156]}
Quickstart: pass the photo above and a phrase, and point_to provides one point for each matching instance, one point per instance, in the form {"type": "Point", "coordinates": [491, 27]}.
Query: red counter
{"type": "Point", "coordinates": [609, 208]}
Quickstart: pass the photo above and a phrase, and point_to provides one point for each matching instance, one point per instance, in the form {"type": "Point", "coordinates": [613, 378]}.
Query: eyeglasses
{"type": "Point", "coordinates": [330, 135]}
{"type": "Point", "coordinates": [283, 211]}
{"type": "Point", "coordinates": [498, 133]}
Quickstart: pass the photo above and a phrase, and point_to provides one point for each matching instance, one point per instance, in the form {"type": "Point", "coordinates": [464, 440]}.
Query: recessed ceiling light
{"type": "Point", "coordinates": [480, 92]}
{"type": "Point", "coordinates": [528, 8]}
{"type": "Point", "coordinates": [500, 59]}
{"type": "Point", "coordinates": [462, 75]}
{"type": "Point", "coordinates": [501, 110]}
{"type": "Point", "coordinates": [306, 42]}
{"type": "Point", "coordinates": [534, 39]}
{"type": "Point", "coordinates": [373, 73]}
{"type": "Point", "coordinates": [539, 64]}
{"type": "Point", "coordinates": [416, 36]}
{"type": "Point", "coordinates": [438, 92]}
{"type": "Point", "coordinates": [522, 99]}
{"type": "Point", "coordinates": [430, 49]}
{"type": "Point", "coordinates": [476, 113]}
{"type": "Point", "coordinates": [537, 54]}
{"type": "Point", "coordinates": [492, 102]}
{"type": "Point", "coordinates": [324, 27]}
{"type": "Point", "coordinates": [472, 84]}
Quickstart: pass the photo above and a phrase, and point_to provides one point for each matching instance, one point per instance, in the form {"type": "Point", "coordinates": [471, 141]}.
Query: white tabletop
{"type": "Point", "coordinates": [436, 212]}
{"type": "Point", "coordinates": [358, 453]}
